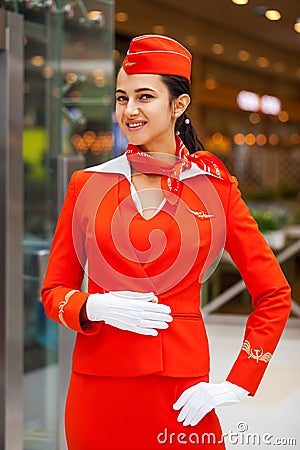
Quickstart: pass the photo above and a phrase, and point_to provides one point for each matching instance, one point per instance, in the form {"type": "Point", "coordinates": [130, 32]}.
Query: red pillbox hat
{"type": "Point", "coordinates": [155, 54]}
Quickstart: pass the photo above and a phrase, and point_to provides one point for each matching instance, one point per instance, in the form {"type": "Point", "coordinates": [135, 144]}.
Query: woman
{"type": "Point", "coordinates": [150, 225]}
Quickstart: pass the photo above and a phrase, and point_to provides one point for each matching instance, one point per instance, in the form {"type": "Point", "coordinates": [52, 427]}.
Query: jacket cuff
{"type": "Point", "coordinates": [69, 313]}
{"type": "Point", "coordinates": [249, 368]}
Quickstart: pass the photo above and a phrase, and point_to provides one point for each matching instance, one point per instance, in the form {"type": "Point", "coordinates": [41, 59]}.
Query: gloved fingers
{"type": "Point", "coordinates": [162, 317]}
{"type": "Point", "coordinates": [129, 327]}
{"type": "Point", "coordinates": [141, 320]}
{"type": "Point", "coordinates": [156, 324]}
{"type": "Point", "coordinates": [156, 307]}
{"type": "Point", "coordinates": [195, 417]}
{"type": "Point", "coordinates": [193, 411]}
{"type": "Point", "coordinates": [188, 410]}
{"type": "Point", "coordinates": [146, 296]}
{"type": "Point", "coordinates": [184, 397]}
{"type": "Point", "coordinates": [140, 306]}
{"type": "Point", "coordinates": [196, 401]}
{"type": "Point", "coordinates": [205, 409]}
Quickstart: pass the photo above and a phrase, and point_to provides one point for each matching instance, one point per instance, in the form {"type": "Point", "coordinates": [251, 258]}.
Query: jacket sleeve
{"type": "Point", "coordinates": [269, 290]}
{"type": "Point", "coordinates": [61, 295]}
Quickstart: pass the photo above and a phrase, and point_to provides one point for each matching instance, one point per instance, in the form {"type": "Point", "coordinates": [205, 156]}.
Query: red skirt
{"type": "Point", "coordinates": [133, 413]}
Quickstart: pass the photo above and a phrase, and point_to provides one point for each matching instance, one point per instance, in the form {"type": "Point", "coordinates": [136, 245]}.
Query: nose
{"type": "Point", "coordinates": [132, 109]}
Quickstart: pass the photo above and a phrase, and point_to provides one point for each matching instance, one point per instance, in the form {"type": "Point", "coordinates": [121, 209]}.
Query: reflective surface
{"type": "Point", "coordinates": [11, 230]}
{"type": "Point", "coordinates": [68, 107]}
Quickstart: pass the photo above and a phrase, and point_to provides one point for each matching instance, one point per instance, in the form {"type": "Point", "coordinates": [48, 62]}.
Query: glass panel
{"type": "Point", "coordinates": [67, 114]}
{"type": "Point", "coordinates": [87, 77]}
{"type": "Point", "coordinates": [41, 341]}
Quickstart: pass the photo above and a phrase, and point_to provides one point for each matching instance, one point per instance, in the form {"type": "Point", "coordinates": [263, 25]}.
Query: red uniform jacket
{"type": "Point", "coordinates": [101, 232]}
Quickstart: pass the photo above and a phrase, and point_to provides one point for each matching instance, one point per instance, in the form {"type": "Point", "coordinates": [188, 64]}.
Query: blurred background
{"type": "Point", "coordinates": [58, 62]}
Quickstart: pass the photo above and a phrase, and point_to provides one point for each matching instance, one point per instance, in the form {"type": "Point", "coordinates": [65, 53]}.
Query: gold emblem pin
{"type": "Point", "coordinates": [201, 214]}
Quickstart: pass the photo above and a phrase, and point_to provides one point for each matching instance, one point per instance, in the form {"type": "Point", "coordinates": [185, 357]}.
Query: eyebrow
{"type": "Point", "coordinates": [136, 90]}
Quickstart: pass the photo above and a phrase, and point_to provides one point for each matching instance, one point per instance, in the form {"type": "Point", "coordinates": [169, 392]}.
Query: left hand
{"type": "Point", "coordinates": [201, 398]}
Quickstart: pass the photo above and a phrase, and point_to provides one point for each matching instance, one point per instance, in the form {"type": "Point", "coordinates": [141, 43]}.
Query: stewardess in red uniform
{"type": "Point", "coordinates": [146, 229]}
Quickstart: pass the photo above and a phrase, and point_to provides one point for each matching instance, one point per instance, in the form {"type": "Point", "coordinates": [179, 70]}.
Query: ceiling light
{"type": "Point", "coordinates": [71, 77]}
{"type": "Point", "coordinates": [240, 2]}
{"type": "Point", "coordinates": [295, 138]}
{"type": "Point", "coordinates": [98, 73]}
{"type": "Point", "coordinates": [100, 83]}
{"type": "Point", "coordinates": [239, 139]}
{"type": "Point", "coordinates": [254, 118]}
{"type": "Point", "coordinates": [248, 101]}
{"type": "Point", "coordinates": [190, 40]}
{"type": "Point", "coordinates": [283, 116]}
{"type": "Point", "coordinates": [263, 62]}
{"type": "Point", "coordinates": [121, 16]}
{"type": "Point", "coordinates": [158, 29]}
{"type": "Point", "coordinates": [250, 139]}
{"type": "Point", "coordinates": [272, 14]}
{"type": "Point", "coordinates": [217, 138]}
{"type": "Point", "coordinates": [270, 105]}
{"type": "Point", "coordinates": [37, 61]}
{"type": "Point", "coordinates": [217, 49]}
{"type": "Point", "coordinates": [94, 15]}
{"type": "Point", "coordinates": [261, 139]}
{"type": "Point", "coordinates": [47, 72]}
{"type": "Point", "coordinates": [210, 83]}
{"type": "Point", "coordinates": [297, 25]}
{"type": "Point", "coordinates": [244, 55]}
{"type": "Point", "coordinates": [274, 139]}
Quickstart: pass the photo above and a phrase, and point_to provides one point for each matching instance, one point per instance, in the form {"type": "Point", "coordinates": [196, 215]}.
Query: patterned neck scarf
{"type": "Point", "coordinates": [147, 164]}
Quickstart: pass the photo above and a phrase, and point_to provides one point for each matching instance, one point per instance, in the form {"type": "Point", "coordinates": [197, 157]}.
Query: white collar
{"type": "Point", "coordinates": [121, 165]}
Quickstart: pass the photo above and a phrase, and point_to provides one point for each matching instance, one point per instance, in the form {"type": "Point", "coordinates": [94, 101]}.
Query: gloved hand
{"type": "Point", "coordinates": [201, 398]}
{"type": "Point", "coordinates": [131, 311]}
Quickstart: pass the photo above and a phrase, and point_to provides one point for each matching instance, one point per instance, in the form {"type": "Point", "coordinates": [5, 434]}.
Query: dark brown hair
{"type": "Point", "coordinates": [178, 86]}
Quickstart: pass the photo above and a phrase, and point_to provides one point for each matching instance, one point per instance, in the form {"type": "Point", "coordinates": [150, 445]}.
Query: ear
{"type": "Point", "coordinates": [180, 104]}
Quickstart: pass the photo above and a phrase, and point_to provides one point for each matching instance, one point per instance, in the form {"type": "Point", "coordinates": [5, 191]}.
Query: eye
{"type": "Point", "coordinates": [121, 98]}
{"type": "Point", "coordinates": [146, 97]}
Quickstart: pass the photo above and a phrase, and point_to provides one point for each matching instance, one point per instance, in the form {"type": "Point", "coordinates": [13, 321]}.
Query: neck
{"type": "Point", "coordinates": [158, 149]}
{"type": "Point", "coordinates": [169, 158]}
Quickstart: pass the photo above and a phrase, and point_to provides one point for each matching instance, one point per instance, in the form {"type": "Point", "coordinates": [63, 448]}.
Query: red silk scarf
{"type": "Point", "coordinates": [147, 164]}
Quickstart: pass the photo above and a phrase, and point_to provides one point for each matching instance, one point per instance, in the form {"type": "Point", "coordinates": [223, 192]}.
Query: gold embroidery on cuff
{"type": "Point", "coordinates": [256, 353]}
{"type": "Point", "coordinates": [62, 304]}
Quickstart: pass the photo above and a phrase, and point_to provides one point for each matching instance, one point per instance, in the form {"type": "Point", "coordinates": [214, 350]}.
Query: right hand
{"type": "Point", "coordinates": [131, 311]}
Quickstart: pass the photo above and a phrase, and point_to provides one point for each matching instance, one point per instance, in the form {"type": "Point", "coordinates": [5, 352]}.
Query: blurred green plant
{"type": "Point", "coordinates": [270, 216]}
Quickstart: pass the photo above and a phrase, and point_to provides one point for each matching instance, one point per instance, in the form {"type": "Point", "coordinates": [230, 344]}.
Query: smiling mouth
{"type": "Point", "coordinates": [135, 125]}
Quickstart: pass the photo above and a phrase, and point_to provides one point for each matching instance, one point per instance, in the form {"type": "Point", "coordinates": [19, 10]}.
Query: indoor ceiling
{"type": "Point", "coordinates": [200, 24]}
{"type": "Point", "coordinates": [249, 19]}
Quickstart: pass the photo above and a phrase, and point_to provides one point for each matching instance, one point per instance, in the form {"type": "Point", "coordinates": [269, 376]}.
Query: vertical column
{"type": "Point", "coordinates": [11, 231]}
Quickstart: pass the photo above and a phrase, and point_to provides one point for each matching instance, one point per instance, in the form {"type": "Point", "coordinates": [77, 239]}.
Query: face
{"type": "Point", "coordinates": [145, 113]}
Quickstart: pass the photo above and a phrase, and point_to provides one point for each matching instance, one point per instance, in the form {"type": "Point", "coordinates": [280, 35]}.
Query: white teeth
{"type": "Point", "coordinates": [134, 125]}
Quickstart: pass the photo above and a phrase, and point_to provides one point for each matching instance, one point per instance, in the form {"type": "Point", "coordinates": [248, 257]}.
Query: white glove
{"type": "Point", "coordinates": [201, 398]}
{"type": "Point", "coordinates": [131, 311]}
